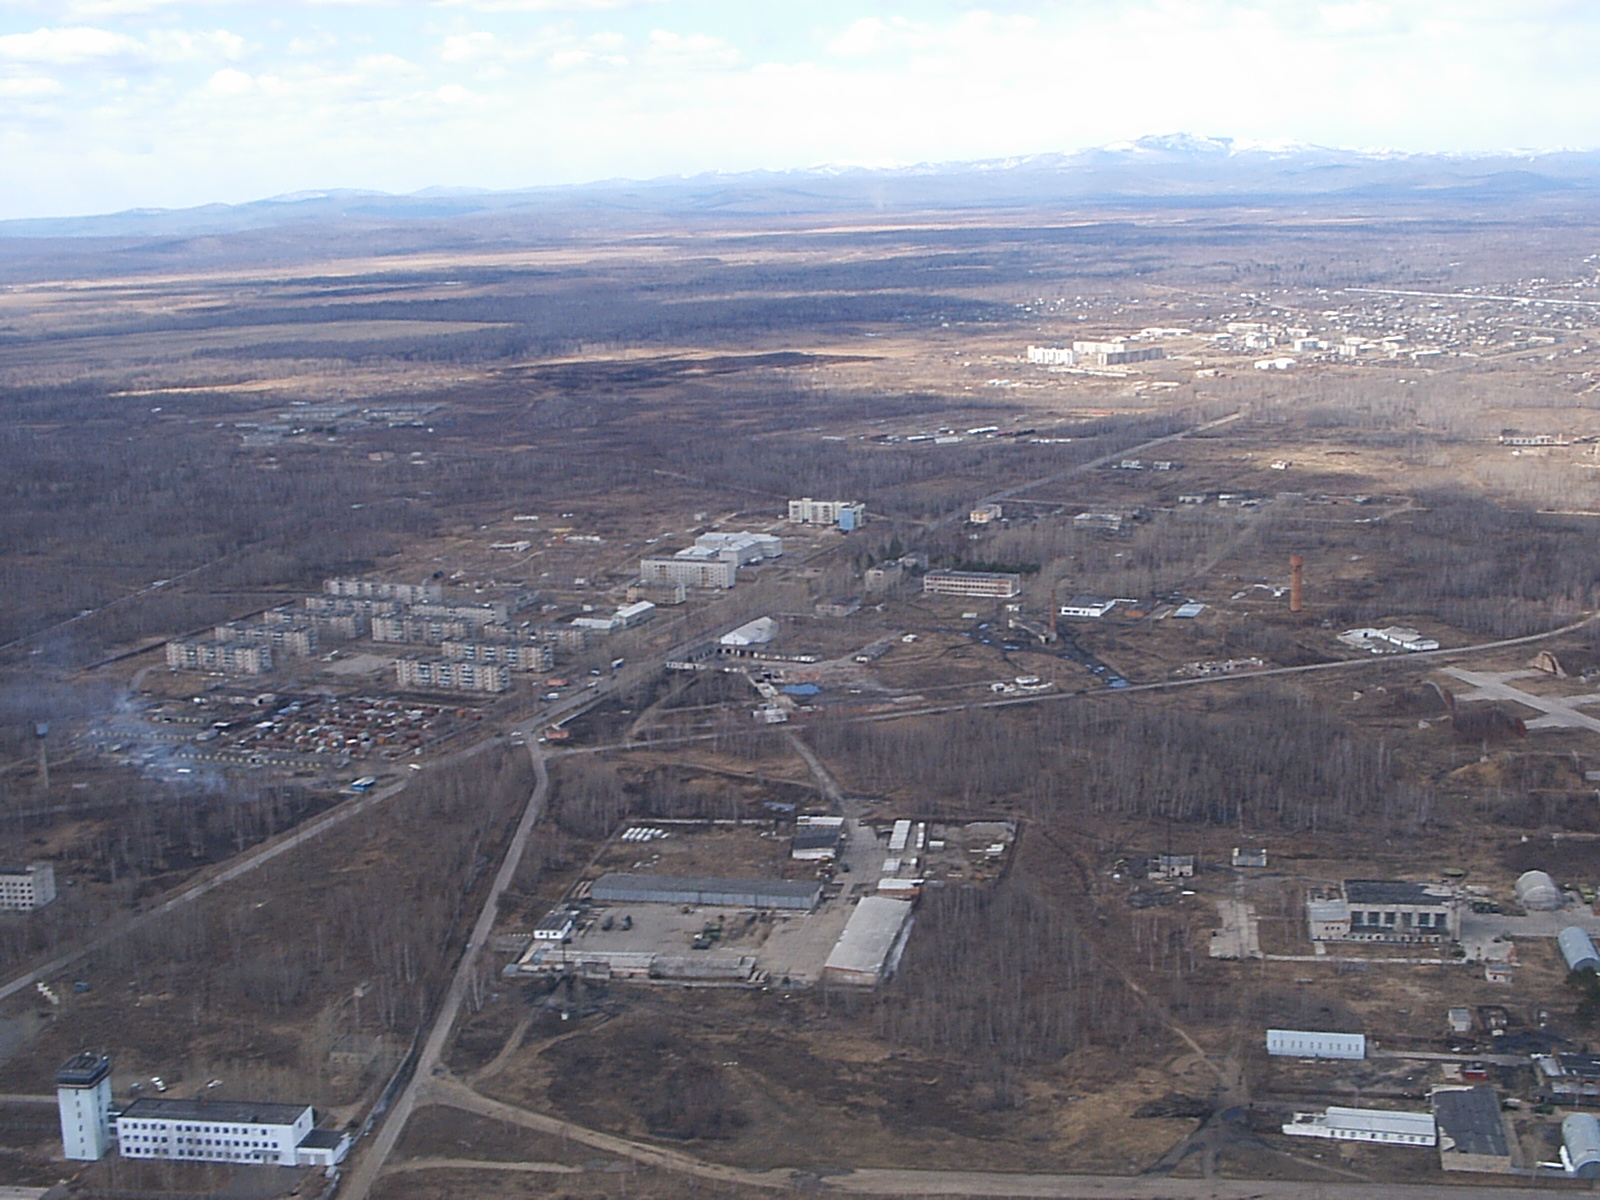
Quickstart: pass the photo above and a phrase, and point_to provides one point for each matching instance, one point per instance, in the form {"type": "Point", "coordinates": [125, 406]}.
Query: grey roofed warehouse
{"type": "Point", "coordinates": [619, 887]}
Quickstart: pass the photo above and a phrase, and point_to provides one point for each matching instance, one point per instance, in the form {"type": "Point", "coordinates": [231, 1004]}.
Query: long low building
{"type": "Point", "coordinates": [617, 887]}
{"type": "Point", "coordinates": [1472, 1130]}
{"type": "Point", "coordinates": [1365, 1125]}
{"type": "Point", "coordinates": [227, 1131]}
{"type": "Point", "coordinates": [998, 584]}
{"type": "Point", "coordinates": [865, 950]}
{"type": "Point", "coordinates": [1315, 1043]}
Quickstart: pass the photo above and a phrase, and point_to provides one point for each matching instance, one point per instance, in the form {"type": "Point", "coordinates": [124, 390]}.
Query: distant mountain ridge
{"type": "Point", "coordinates": [1156, 169]}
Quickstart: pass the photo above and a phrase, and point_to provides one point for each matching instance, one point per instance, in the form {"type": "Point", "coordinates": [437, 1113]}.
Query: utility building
{"type": "Point", "coordinates": [1385, 910]}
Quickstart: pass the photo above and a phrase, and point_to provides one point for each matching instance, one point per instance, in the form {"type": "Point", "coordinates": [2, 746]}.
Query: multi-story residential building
{"type": "Point", "coordinates": [227, 658]}
{"type": "Point", "coordinates": [518, 656]}
{"type": "Point", "coordinates": [346, 605]}
{"type": "Point", "coordinates": [707, 572]}
{"type": "Point", "coordinates": [428, 631]}
{"type": "Point", "coordinates": [291, 641]}
{"type": "Point", "coordinates": [448, 675]}
{"type": "Point", "coordinates": [846, 514]}
{"type": "Point", "coordinates": [493, 612]}
{"type": "Point", "coordinates": [371, 589]}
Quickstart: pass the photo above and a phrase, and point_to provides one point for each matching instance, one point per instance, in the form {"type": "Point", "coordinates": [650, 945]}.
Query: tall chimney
{"type": "Point", "coordinates": [1297, 591]}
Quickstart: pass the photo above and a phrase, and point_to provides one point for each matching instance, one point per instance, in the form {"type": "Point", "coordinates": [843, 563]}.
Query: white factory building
{"type": "Point", "coordinates": [23, 889]}
{"type": "Point", "coordinates": [1366, 1125]}
{"type": "Point", "coordinates": [1114, 353]}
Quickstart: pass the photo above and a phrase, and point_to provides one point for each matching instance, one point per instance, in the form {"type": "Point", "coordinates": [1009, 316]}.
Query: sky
{"type": "Point", "coordinates": [107, 105]}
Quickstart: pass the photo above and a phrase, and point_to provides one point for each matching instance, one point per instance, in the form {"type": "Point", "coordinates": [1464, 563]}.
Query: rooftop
{"type": "Point", "coordinates": [237, 1112]}
{"type": "Point", "coordinates": [84, 1070]}
{"type": "Point", "coordinates": [1394, 891]}
{"type": "Point", "coordinates": [1469, 1120]}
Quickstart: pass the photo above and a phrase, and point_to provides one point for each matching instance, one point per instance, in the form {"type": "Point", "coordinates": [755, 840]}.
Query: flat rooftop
{"type": "Point", "coordinates": [1394, 891]}
{"type": "Point", "coordinates": [235, 1112]}
{"type": "Point", "coordinates": [1470, 1118]}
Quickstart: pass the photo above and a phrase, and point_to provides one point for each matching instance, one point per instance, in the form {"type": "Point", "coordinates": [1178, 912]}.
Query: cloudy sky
{"type": "Point", "coordinates": [111, 104]}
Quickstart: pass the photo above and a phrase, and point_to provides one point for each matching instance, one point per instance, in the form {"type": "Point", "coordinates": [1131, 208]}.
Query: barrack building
{"type": "Point", "coordinates": [998, 585]}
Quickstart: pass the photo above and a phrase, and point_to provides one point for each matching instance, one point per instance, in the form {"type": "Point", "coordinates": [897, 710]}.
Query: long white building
{"type": "Point", "coordinates": [999, 585]}
{"type": "Point", "coordinates": [452, 675]}
{"type": "Point", "coordinates": [1366, 1125]}
{"type": "Point", "coordinates": [712, 562]}
{"type": "Point", "coordinates": [227, 1131]}
{"type": "Point", "coordinates": [372, 589]}
{"type": "Point", "coordinates": [226, 658]}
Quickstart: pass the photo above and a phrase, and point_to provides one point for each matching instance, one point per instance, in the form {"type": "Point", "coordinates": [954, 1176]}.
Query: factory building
{"type": "Point", "coordinates": [998, 585]}
{"type": "Point", "coordinates": [83, 1096]}
{"type": "Point", "coordinates": [616, 887]}
{"type": "Point", "coordinates": [227, 1131]}
{"type": "Point", "coordinates": [291, 641]}
{"type": "Point", "coordinates": [1385, 910]}
{"type": "Point", "coordinates": [846, 514]}
{"type": "Point", "coordinates": [447, 675]}
{"type": "Point", "coordinates": [371, 589]}
{"type": "Point", "coordinates": [817, 839]}
{"type": "Point", "coordinates": [1472, 1132]}
{"type": "Point", "coordinates": [865, 951]}
{"type": "Point", "coordinates": [427, 631]}
{"type": "Point", "coordinates": [23, 889]}
{"type": "Point", "coordinates": [1051, 356]}
{"type": "Point", "coordinates": [1312, 1043]}
{"type": "Point", "coordinates": [1366, 1125]}
{"type": "Point", "coordinates": [518, 656]}
{"type": "Point", "coordinates": [227, 658]}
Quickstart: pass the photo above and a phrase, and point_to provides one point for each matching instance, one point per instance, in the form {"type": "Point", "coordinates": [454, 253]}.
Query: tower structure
{"type": "Point", "coordinates": [83, 1093]}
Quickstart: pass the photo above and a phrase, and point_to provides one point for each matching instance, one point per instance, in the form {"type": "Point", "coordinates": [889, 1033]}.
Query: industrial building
{"type": "Point", "coordinates": [865, 951]}
{"type": "Point", "coordinates": [1568, 1078]}
{"type": "Point", "coordinates": [1385, 910]}
{"type": "Point", "coordinates": [371, 589]}
{"type": "Point", "coordinates": [227, 658]}
{"type": "Point", "coordinates": [817, 839]}
{"type": "Point", "coordinates": [83, 1096]}
{"type": "Point", "coordinates": [1312, 1043]}
{"type": "Point", "coordinates": [846, 514]}
{"type": "Point", "coordinates": [1365, 1125]}
{"type": "Point", "coordinates": [745, 547]}
{"type": "Point", "coordinates": [752, 633]}
{"type": "Point", "coordinates": [291, 641]}
{"type": "Point", "coordinates": [1051, 356]}
{"type": "Point", "coordinates": [1471, 1130]}
{"type": "Point", "coordinates": [23, 889]}
{"type": "Point", "coordinates": [446, 675]}
{"type": "Point", "coordinates": [1087, 606]}
{"type": "Point", "coordinates": [998, 585]}
{"type": "Point", "coordinates": [227, 1131]}
{"type": "Point", "coordinates": [615, 887]}
{"type": "Point", "coordinates": [519, 656]}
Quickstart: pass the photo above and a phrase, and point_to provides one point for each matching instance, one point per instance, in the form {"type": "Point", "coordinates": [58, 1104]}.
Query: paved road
{"type": "Point", "coordinates": [372, 1160]}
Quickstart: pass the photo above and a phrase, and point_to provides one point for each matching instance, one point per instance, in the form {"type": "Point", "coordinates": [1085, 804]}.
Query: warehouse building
{"type": "Point", "coordinates": [616, 887]}
{"type": "Point", "coordinates": [1385, 910]}
{"type": "Point", "coordinates": [1577, 947]}
{"type": "Point", "coordinates": [23, 889]}
{"type": "Point", "coordinates": [1580, 1146]}
{"type": "Point", "coordinates": [1472, 1132]}
{"type": "Point", "coordinates": [846, 514]}
{"type": "Point", "coordinates": [865, 952]}
{"type": "Point", "coordinates": [445, 675]}
{"type": "Point", "coordinates": [1313, 1043]}
{"type": "Point", "coordinates": [746, 547]}
{"type": "Point", "coordinates": [996, 584]}
{"type": "Point", "coordinates": [1087, 606]}
{"type": "Point", "coordinates": [226, 658]}
{"type": "Point", "coordinates": [1366, 1125]}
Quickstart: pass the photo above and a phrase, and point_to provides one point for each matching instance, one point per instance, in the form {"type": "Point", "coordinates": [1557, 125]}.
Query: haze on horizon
{"type": "Point", "coordinates": [113, 104]}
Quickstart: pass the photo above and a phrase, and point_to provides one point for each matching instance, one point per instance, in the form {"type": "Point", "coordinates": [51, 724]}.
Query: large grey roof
{"type": "Point", "coordinates": [700, 889]}
{"type": "Point", "coordinates": [1470, 1117]}
{"type": "Point", "coordinates": [235, 1112]}
{"type": "Point", "coordinates": [869, 936]}
{"type": "Point", "coordinates": [1393, 891]}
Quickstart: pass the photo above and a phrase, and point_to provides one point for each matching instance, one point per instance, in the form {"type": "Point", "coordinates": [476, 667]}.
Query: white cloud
{"type": "Point", "coordinates": [30, 87]}
{"type": "Point", "coordinates": [71, 45]}
{"type": "Point", "coordinates": [230, 82]}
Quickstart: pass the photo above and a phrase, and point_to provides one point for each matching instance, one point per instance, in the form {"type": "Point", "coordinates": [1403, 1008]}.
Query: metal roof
{"type": "Point", "coordinates": [233, 1112]}
{"type": "Point", "coordinates": [672, 889]}
{"type": "Point", "coordinates": [1470, 1118]}
{"type": "Point", "coordinates": [1394, 891]}
{"type": "Point", "coordinates": [869, 936]}
{"type": "Point", "coordinates": [1380, 1120]}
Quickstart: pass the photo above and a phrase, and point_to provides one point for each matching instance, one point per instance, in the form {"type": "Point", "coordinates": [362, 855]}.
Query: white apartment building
{"type": "Point", "coordinates": [972, 583]}
{"type": "Point", "coordinates": [494, 612]}
{"type": "Point", "coordinates": [457, 676]}
{"type": "Point", "coordinates": [518, 656]}
{"type": "Point", "coordinates": [227, 658]}
{"type": "Point", "coordinates": [23, 889]}
{"type": "Point", "coordinates": [847, 514]}
{"type": "Point", "coordinates": [689, 572]}
{"type": "Point", "coordinates": [1114, 353]}
{"type": "Point", "coordinates": [429, 631]}
{"type": "Point", "coordinates": [371, 589]}
{"type": "Point", "coordinates": [296, 641]}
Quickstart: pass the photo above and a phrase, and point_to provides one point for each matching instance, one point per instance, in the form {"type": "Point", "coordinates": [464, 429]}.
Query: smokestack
{"type": "Point", "coordinates": [1297, 591]}
{"type": "Point", "coordinates": [40, 732]}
